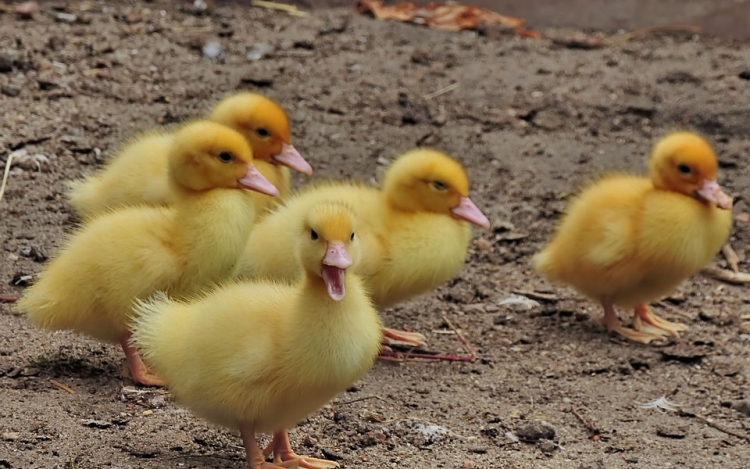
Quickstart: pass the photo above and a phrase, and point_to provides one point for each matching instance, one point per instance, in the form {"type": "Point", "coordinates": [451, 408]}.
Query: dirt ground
{"type": "Point", "coordinates": [529, 119]}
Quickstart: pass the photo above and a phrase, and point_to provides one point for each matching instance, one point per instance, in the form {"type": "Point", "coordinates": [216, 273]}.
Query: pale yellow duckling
{"type": "Point", "coordinates": [130, 253]}
{"type": "Point", "coordinates": [261, 356]}
{"type": "Point", "coordinates": [415, 231]}
{"type": "Point", "coordinates": [628, 240]}
{"type": "Point", "coordinates": [137, 174]}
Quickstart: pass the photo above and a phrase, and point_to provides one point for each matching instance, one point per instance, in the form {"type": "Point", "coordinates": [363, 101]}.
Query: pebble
{"type": "Point", "coordinates": [745, 75]}
{"type": "Point", "coordinates": [11, 436]}
{"type": "Point", "coordinates": [676, 433]}
{"type": "Point", "coordinates": [547, 446]}
{"type": "Point", "coordinates": [742, 406]}
{"type": "Point", "coordinates": [212, 49]}
{"type": "Point", "coordinates": [535, 431]}
{"type": "Point", "coordinates": [6, 64]}
{"type": "Point", "coordinates": [744, 327]}
{"type": "Point", "coordinates": [11, 91]}
{"type": "Point", "coordinates": [258, 51]}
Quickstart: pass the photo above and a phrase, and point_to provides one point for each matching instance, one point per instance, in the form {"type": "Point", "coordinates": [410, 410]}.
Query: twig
{"type": "Point", "coordinates": [534, 295]}
{"type": "Point", "coordinates": [715, 425]}
{"type": "Point", "coordinates": [675, 309]}
{"type": "Point", "coordinates": [736, 278]}
{"type": "Point", "coordinates": [192, 29]}
{"type": "Point", "coordinates": [590, 425]}
{"type": "Point", "coordinates": [290, 9]}
{"type": "Point", "coordinates": [62, 386]}
{"type": "Point", "coordinates": [646, 31]}
{"type": "Point", "coordinates": [392, 356]}
{"type": "Point", "coordinates": [732, 258]}
{"type": "Point", "coordinates": [441, 91]}
{"type": "Point", "coordinates": [461, 337]}
{"type": "Point", "coordinates": [360, 399]}
{"type": "Point", "coordinates": [8, 299]}
{"type": "Point", "coordinates": [5, 175]}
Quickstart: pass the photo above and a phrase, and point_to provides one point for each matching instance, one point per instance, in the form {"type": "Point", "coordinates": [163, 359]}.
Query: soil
{"type": "Point", "coordinates": [531, 120]}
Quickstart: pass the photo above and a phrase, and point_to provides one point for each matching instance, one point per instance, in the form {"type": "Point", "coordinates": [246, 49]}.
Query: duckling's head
{"type": "Point", "coordinates": [205, 155]}
{"type": "Point", "coordinates": [328, 245]}
{"type": "Point", "coordinates": [265, 125]}
{"type": "Point", "coordinates": [684, 162]}
{"type": "Point", "coordinates": [429, 181]}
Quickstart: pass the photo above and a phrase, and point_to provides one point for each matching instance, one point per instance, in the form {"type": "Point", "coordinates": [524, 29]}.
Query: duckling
{"type": "Point", "coordinates": [415, 231]}
{"type": "Point", "coordinates": [138, 172]}
{"type": "Point", "coordinates": [261, 356]}
{"type": "Point", "coordinates": [130, 253]}
{"type": "Point", "coordinates": [628, 240]}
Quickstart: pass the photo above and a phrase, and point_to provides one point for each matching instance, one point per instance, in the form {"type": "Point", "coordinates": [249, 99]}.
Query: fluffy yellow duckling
{"type": "Point", "coordinates": [628, 240]}
{"type": "Point", "coordinates": [138, 173]}
{"type": "Point", "coordinates": [261, 356]}
{"type": "Point", "coordinates": [133, 252]}
{"type": "Point", "coordinates": [414, 231]}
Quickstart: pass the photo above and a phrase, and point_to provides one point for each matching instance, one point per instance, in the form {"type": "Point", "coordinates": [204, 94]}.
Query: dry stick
{"type": "Point", "coordinates": [441, 91]}
{"type": "Point", "coordinates": [590, 425]}
{"type": "Point", "coordinates": [732, 258]}
{"type": "Point", "coordinates": [461, 337]}
{"type": "Point", "coordinates": [62, 386]}
{"type": "Point", "coordinates": [737, 278]}
{"type": "Point", "coordinates": [712, 424]}
{"type": "Point", "coordinates": [656, 29]}
{"type": "Point", "coordinates": [675, 309]}
{"type": "Point", "coordinates": [359, 399]}
{"type": "Point", "coordinates": [391, 356]}
{"type": "Point", "coordinates": [8, 299]}
{"type": "Point", "coordinates": [291, 9]}
{"type": "Point", "coordinates": [535, 295]}
{"type": "Point", "coordinates": [5, 175]}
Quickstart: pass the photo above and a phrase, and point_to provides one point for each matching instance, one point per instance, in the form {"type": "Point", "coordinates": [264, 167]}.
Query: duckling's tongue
{"type": "Point", "coordinates": [468, 211]}
{"type": "Point", "coordinates": [712, 192]}
{"type": "Point", "coordinates": [334, 280]}
{"type": "Point", "coordinates": [333, 270]}
{"type": "Point", "coordinates": [291, 158]}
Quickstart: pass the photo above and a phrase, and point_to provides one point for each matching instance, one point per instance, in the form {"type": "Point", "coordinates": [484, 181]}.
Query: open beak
{"type": "Point", "coordinates": [254, 181]}
{"type": "Point", "coordinates": [335, 263]}
{"type": "Point", "coordinates": [468, 211]}
{"type": "Point", "coordinates": [291, 158]}
{"type": "Point", "coordinates": [711, 192]}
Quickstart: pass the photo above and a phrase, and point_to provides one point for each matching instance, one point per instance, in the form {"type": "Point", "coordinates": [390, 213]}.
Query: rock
{"type": "Point", "coordinates": [469, 464]}
{"type": "Point", "coordinates": [548, 119]}
{"type": "Point", "coordinates": [309, 441]}
{"type": "Point", "coordinates": [372, 438]}
{"type": "Point", "coordinates": [547, 446]}
{"type": "Point", "coordinates": [742, 406]}
{"type": "Point", "coordinates": [46, 85]}
{"type": "Point", "coordinates": [6, 64]}
{"type": "Point", "coordinates": [676, 433]}
{"type": "Point", "coordinates": [331, 454]}
{"type": "Point", "coordinates": [212, 49]}
{"type": "Point", "coordinates": [420, 56]}
{"type": "Point", "coordinates": [11, 436]}
{"type": "Point", "coordinates": [535, 430]}
{"type": "Point", "coordinates": [11, 91]}
{"type": "Point", "coordinates": [33, 253]}
{"type": "Point", "coordinates": [334, 26]}
{"type": "Point", "coordinates": [708, 315]}
{"type": "Point", "coordinates": [259, 51]}
{"type": "Point", "coordinates": [744, 327]}
{"type": "Point", "coordinates": [745, 75]}
{"type": "Point", "coordinates": [26, 10]}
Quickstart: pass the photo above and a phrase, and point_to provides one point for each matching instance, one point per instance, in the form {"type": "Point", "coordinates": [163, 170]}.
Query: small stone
{"type": "Point", "coordinates": [146, 413]}
{"type": "Point", "coordinates": [742, 406]}
{"type": "Point", "coordinates": [708, 315]}
{"type": "Point", "coordinates": [212, 49]}
{"type": "Point", "coordinates": [484, 245]}
{"type": "Point", "coordinates": [6, 64]}
{"type": "Point", "coordinates": [742, 217]}
{"type": "Point", "coordinates": [372, 438]}
{"type": "Point", "coordinates": [11, 91]}
{"type": "Point", "coordinates": [676, 433]}
{"type": "Point", "coordinates": [26, 10]}
{"type": "Point", "coordinates": [309, 441]}
{"type": "Point", "coordinates": [46, 85]}
{"type": "Point", "coordinates": [535, 430]}
{"type": "Point", "coordinates": [420, 56]}
{"type": "Point", "coordinates": [11, 436]}
{"type": "Point", "coordinates": [102, 424]}
{"type": "Point", "coordinates": [547, 446]}
{"type": "Point", "coordinates": [469, 464]}
{"type": "Point", "coordinates": [744, 327]}
{"type": "Point", "coordinates": [331, 454]}
{"type": "Point", "coordinates": [745, 75]}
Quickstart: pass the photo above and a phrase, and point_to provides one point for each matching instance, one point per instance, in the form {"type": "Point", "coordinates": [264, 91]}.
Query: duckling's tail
{"type": "Point", "coordinates": [156, 329]}
{"type": "Point", "coordinates": [84, 195]}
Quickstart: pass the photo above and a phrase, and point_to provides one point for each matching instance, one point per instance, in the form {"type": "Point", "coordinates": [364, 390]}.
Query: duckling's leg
{"type": "Point", "coordinates": [138, 370]}
{"type": "Point", "coordinates": [283, 455]}
{"type": "Point", "coordinates": [644, 313]}
{"type": "Point", "coordinates": [396, 337]}
{"type": "Point", "coordinates": [612, 322]}
{"type": "Point", "coordinates": [253, 454]}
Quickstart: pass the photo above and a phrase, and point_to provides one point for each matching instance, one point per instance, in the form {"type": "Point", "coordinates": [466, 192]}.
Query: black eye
{"type": "Point", "coordinates": [352, 237]}
{"type": "Point", "coordinates": [684, 169]}
{"type": "Point", "coordinates": [441, 186]}
{"type": "Point", "coordinates": [226, 157]}
{"type": "Point", "coordinates": [313, 235]}
{"type": "Point", "coordinates": [263, 132]}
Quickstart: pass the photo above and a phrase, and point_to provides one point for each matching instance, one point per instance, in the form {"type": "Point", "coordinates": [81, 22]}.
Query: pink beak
{"type": "Point", "coordinates": [336, 256]}
{"type": "Point", "coordinates": [711, 192]}
{"type": "Point", "coordinates": [254, 181]}
{"type": "Point", "coordinates": [291, 158]}
{"type": "Point", "coordinates": [335, 263]}
{"type": "Point", "coordinates": [467, 211]}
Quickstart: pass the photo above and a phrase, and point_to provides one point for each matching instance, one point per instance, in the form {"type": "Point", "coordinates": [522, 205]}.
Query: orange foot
{"type": "Point", "coordinates": [612, 322]}
{"type": "Point", "coordinates": [662, 326]}
{"type": "Point", "coordinates": [138, 370]}
{"type": "Point", "coordinates": [283, 456]}
{"type": "Point", "coordinates": [396, 337]}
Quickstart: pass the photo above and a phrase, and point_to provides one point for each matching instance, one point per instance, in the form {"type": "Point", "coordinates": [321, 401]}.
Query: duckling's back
{"type": "Point", "coordinates": [137, 174]}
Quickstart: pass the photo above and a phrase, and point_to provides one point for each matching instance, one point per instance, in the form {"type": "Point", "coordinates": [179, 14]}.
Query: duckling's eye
{"type": "Point", "coordinates": [441, 186]}
{"type": "Point", "coordinates": [683, 168]}
{"type": "Point", "coordinates": [352, 237]}
{"type": "Point", "coordinates": [313, 235]}
{"type": "Point", "coordinates": [226, 157]}
{"type": "Point", "coordinates": [263, 132]}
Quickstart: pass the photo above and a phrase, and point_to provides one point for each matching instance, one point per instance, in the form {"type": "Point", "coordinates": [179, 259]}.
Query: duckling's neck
{"type": "Point", "coordinates": [314, 292]}
{"type": "Point", "coordinates": [211, 230]}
